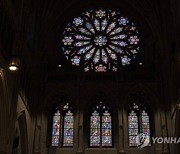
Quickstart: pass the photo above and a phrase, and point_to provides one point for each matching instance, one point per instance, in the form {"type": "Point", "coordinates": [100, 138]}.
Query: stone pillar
{"type": "Point", "coordinates": [121, 131]}
{"type": "Point", "coordinates": [43, 134]}
{"type": "Point", "coordinates": [3, 120]}
{"type": "Point", "coordinates": [80, 133]}
{"type": "Point", "coordinates": [3, 136]}
{"type": "Point", "coordinates": [177, 130]}
{"type": "Point", "coordinates": [165, 147]}
{"type": "Point", "coordinates": [37, 135]}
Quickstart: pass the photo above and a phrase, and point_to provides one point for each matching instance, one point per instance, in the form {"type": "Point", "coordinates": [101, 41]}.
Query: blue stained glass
{"type": "Point", "coordinates": [84, 31]}
{"type": "Point", "coordinates": [106, 129]}
{"type": "Point", "coordinates": [132, 141]}
{"type": "Point", "coordinates": [133, 125]}
{"type": "Point", "coordinates": [68, 129]}
{"type": "Point", "coordinates": [133, 128]}
{"type": "Point", "coordinates": [95, 141]}
{"type": "Point", "coordinates": [55, 140]}
{"type": "Point", "coordinates": [138, 126]}
{"type": "Point", "coordinates": [90, 27]}
{"type": "Point", "coordinates": [100, 127]}
{"type": "Point", "coordinates": [133, 119]}
{"type": "Point", "coordinates": [145, 125]}
{"type": "Point", "coordinates": [106, 125]}
{"type": "Point", "coordinates": [62, 131]}
{"type": "Point", "coordinates": [78, 21]}
{"type": "Point", "coordinates": [123, 21]}
{"type": "Point", "coordinates": [101, 29]}
{"type": "Point", "coordinates": [145, 128]}
{"type": "Point", "coordinates": [95, 129]}
{"type": "Point", "coordinates": [100, 40]}
{"type": "Point", "coordinates": [97, 24]}
{"type": "Point", "coordinates": [104, 24]}
{"type": "Point", "coordinates": [68, 122]}
{"type": "Point", "coordinates": [106, 141]}
{"type": "Point", "coordinates": [68, 132]}
{"type": "Point", "coordinates": [145, 119]}
{"type": "Point", "coordinates": [56, 129]}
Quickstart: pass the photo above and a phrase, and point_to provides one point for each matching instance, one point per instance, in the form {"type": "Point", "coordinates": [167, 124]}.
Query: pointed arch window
{"type": "Point", "coordinates": [100, 126]}
{"type": "Point", "coordinates": [63, 125]}
{"type": "Point", "coordinates": [139, 123]}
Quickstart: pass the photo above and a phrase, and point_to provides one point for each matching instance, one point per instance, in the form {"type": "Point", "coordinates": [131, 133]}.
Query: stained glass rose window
{"type": "Point", "coordinates": [101, 40]}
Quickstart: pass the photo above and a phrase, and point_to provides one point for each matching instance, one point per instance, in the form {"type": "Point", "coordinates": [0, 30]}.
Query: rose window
{"type": "Point", "coordinates": [101, 40]}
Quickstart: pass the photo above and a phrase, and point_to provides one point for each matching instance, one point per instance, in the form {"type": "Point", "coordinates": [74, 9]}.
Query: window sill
{"type": "Point", "coordinates": [62, 150]}
{"type": "Point", "coordinates": [109, 148]}
{"type": "Point", "coordinates": [101, 150]}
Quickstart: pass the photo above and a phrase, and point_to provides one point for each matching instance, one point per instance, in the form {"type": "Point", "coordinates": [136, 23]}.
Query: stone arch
{"type": "Point", "coordinates": [102, 91]}
{"type": "Point", "coordinates": [56, 95]}
{"type": "Point", "coordinates": [149, 96]}
{"type": "Point", "coordinates": [103, 94]}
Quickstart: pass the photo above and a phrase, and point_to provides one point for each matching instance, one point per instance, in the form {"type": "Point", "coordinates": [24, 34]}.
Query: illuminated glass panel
{"type": "Point", "coordinates": [101, 126]}
{"type": "Point", "coordinates": [63, 125]}
{"type": "Point", "coordinates": [106, 129]}
{"type": "Point", "coordinates": [56, 129]}
{"type": "Point", "coordinates": [95, 129]}
{"type": "Point", "coordinates": [145, 128]}
{"type": "Point", "coordinates": [138, 122]}
{"type": "Point", "coordinates": [133, 128]}
{"type": "Point", "coordinates": [68, 129]}
{"type": "Point", "coordinates": [99, 37]}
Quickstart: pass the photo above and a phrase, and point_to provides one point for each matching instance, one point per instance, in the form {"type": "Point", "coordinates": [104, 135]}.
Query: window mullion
{"type": "Point", "coordinates": [61, 131]}
{"type": "Point", "coordinates": [101, 131]}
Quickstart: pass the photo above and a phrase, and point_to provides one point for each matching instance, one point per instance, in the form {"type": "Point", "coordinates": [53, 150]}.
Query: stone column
{"type": "Point", "coordinates": [43, 134]}
{"type": "Point", "coordinates": [177, 130]}
{"type": "Point", "coordinates": [37, 135]}
{"type": "Point", "coordinates": [3, 119]}
{"type": "Point", "coordinates": [165, 147]}
{"type": "Point", "coordinates": [121, 131]}
{"type": "Point", "coordinates": [80, 133]}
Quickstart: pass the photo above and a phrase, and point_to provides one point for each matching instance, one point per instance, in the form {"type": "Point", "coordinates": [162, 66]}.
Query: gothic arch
{"type": "Point", "coordinates": [108, 99]}
{"type": "Point", "coordinates": [149, 97]}
{"type": "Point", "coordinates": [57, 96]}
{"type": "Point", "coordinates": [59, 99]}
{"type": "Point", "coordinates": [148, 94]}
{"type": "Point", "coordinates": [103, 91]}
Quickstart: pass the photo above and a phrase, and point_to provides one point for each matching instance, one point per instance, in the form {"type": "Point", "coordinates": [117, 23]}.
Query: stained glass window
{"type": "Point", "coordinates": [106, 129]}
{"type": "Point", "coordinates": [138, 121]}
{"type": "Point", "coordinates": [95, 129]}
{"type": "Point", "coordinates": [68, 129]}
{"type": "Point", "coordinates": [63, 125]}
{"type": "Point", "coordinates": [100, 126]}
{"type": "Point", "coordinates": [145, 128]}
{"type": "Point", "coordinates": [56, 128]}
{"type": "Point", "coordinates": [104, 39]}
